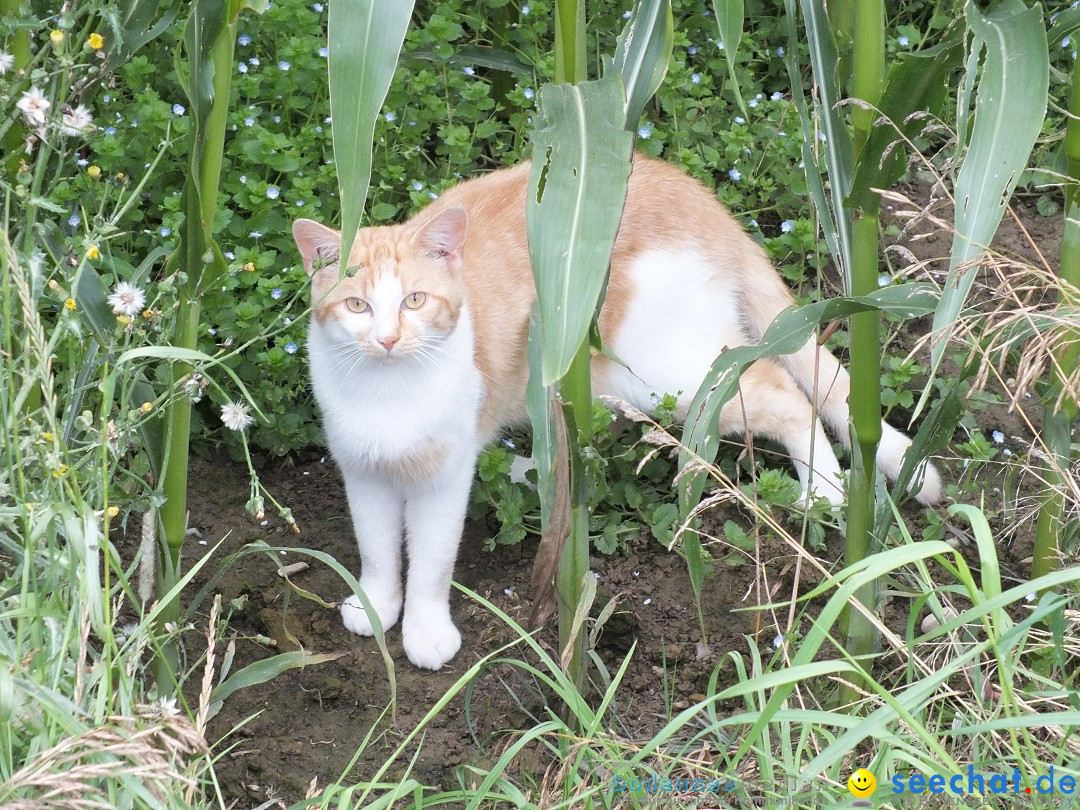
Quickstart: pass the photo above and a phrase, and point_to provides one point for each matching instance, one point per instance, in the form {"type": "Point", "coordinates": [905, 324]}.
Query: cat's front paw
{"type": "Point", "coordinates": [356, 619]}
{"type": "Point", "coordinates": [431, 639]}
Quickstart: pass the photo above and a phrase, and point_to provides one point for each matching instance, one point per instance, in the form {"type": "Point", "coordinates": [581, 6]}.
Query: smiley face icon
{"type": "Point", "coordinates": [862, 784]}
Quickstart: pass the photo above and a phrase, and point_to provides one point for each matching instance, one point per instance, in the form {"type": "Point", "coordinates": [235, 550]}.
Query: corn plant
{"type": "Point", "coordinates": [582, 145]}
{"type": "Point", "coordinates": [855, 167]}
{"type": "Point", "coordinates": [1061, 400]}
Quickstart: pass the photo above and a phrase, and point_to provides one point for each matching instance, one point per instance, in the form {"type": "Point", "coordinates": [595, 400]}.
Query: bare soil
{"type": "Point", "coordinates": [307, 724]}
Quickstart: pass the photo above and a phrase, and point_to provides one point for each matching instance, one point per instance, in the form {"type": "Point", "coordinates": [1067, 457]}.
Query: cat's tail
{"type": "Point", "coordinates": [825, 381]}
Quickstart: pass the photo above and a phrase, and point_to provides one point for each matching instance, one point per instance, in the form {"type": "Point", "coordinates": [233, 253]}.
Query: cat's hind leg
{"type": "Point", "coordinates": [378, 517]}
{"type": "Point", "coordinates": [771, 405]}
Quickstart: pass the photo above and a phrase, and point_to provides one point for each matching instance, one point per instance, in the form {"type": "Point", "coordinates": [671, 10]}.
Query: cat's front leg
{"type": "Point", "coordinates": [377, 513]}
{"type": "Point", "coordinates": [434, 517]}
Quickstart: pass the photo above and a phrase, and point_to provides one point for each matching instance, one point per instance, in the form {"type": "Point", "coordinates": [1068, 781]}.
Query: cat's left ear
{"type": "Point", "coordinates": [318, 244]}
{"type": "Point", "coordinates": [444, 236]}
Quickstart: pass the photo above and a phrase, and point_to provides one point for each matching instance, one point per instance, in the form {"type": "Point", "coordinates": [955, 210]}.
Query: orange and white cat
{"type": "Point", "coordinates": [419, 360]}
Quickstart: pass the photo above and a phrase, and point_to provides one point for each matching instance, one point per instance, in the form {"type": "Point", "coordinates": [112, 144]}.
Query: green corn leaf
{"type": "Point", "coordinates": [476, 55]}
{"type": "Point", "coordinates": [1062, 25]}
{"type": "Point", "coordinates": [266, 670]}
{"type": "Point", "coordinates": [918, 82]}
{"type": "Point", "coordinates": [364, 42]}
{"type": "Point", "coordinates": [1009, 112]}
{"type": "Point", "coordinates": [642, 54]}
{"type": "Point", "coordinates": [838, 156]}
{"type": "Point", "coordinates": [787, 334]}
{"type": "Point", "coordinates": [581, 164]}
{"type": "Point", "coordinates": [729, 19]}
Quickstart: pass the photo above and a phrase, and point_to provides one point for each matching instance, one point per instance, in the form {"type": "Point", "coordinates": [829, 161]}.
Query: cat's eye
{"type": "Point", "coordinates": [356, 305]}
{"type": "Point", "coordinates": [415, 300]}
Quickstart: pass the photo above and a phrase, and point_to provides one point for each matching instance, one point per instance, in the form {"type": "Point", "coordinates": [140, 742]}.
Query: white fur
{"type": "Point", "coordinates": [662, 315]}
{"type": "Point", "coordinates": [373, 411]}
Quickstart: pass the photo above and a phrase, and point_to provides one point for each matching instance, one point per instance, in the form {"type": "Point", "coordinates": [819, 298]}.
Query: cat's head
{"type": "Point", "coordinates": [406, 293]}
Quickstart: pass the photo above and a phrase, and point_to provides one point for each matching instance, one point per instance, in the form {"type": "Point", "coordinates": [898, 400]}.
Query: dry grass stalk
{"type": "Point", "coordinates": [76, 773]}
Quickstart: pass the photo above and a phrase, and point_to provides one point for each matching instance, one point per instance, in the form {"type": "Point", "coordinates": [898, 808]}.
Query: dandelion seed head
{"type": "Point", "coordinates": [236, 416]}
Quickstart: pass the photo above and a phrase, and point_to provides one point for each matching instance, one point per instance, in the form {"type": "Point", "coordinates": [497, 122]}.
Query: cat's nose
{"type": "Point", "coordinates": [389, 342]}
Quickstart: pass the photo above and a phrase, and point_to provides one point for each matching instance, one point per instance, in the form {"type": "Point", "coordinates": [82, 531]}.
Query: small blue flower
{"type": "Point", "coordinates": [81, 162]}
{"type": "Point", "coordinates": [644, 132]}
{"type": "Point", "coordinates": [417, 185]}
{"type": "Point", "coordinates": [277, 119]}
{"type": "Point", "coordinates": [626, 15]}
{"type": "Point", "coordinates": [752, 103]}
{"type": "Point", "coordinates": [323, 52]}
{"type": "Point", "coordinates": [288, 321]}
{"type": "Point", "coordinates": [433, 195]}
{"type": "Point", "coordinates": [256, 234]}
{"type": "Point", "coordinates": [776, 96]}
{"type": "Point", "coordinates": [391, 117]}
{"type": "Point", "coordinates": [74, 221]}
{"type": "Point", "coordinates": [902, 42]}
{"type": "Point", "coordinates": [243, 178]}
{"type": "Point", "coordinates": [228, 254]}
{"type": "Point", "coordinates": [254, 61]}
{"type": "Point", "coordinates": [735, 175]}
{"type": "Point", "coordinates": [273, 192]}
{"type": "Point", "coordinates": [249, 121]}
{"type": "Point", "coordinates": [243, 39]}
{"type": "Point", "coordinates": [276, 293]}
{"type": "Point", "coordinates": [318, 129]}
{"type": "Point", "coordinates": [318, 7]}
{"type": "Point", "coordinates": [525, 11]}
{"type": "Point", "coordinates": [739, 119]}
{"type": "Point", "coordinates": [821, 135]}
{"type": "Point", "coordinates": [166, 230]}
{"type": "Point", "coordinates": [753, 223]}
{"type": "Point", "coordinates": [107, 98]}
{"type": "Point", "coordinates": [529, 93]}
{"type": "Point", "coordinates": [299, 203]}
{"type": "Point", "coordinates": [468, 70]}
{"type": "Point", "coordinates": [997, 436]}
{"type": "Point", "coordinates": [178, 109]}
{"type": "Point", "coordinates": [695, 78]}
{"type": "Point", "coordinates": [1065, 42]}
{"type": "Point", "coordinates": [780, 52]}
{"type": "Point", "coordinates": [290, 347]}
{"type": "Point", "coordinates": [242, 68]}
{"type": "Point", "coordinates": [283, 65]}
{"type": "Point", "coordinates": [786, 226]}
{"type": "Point", "coordinates": [110, 131]}
{"type": "Point", "coordinates": [509, 444]}
{"type": "Point", "coordinates": [692, 50]}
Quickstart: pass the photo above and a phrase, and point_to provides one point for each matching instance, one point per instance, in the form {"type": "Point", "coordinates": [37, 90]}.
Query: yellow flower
{"type": "Point", "coordinates": [123, 320]}
{"type": "Point", "coordinates": [62, 471]}
{"type": "Point", "coordinates": [146, 407]}
{"type": "Point", "coordinates": [69, 305]}
{"type": "Point", "coordinates": [92, 252]}
{"type": "Point", "coordinates": [250, 267]}
{"type": "Point", "coordinates": [96, 41]}
{"type": "Point", "coordinates": [148, 313]}
{"type": "Point", "coordinates": [113, 510]}
{"type": "Point", "coordinates": [56, 36]}
{"type": "Point", "coordinates": [47, 436]}
{"type": "Point", "coordinates": [94, 172]}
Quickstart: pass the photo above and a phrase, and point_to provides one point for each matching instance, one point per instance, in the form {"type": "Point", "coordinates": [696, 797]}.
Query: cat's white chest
{"type": "Point", "coordinates": [376, 414]}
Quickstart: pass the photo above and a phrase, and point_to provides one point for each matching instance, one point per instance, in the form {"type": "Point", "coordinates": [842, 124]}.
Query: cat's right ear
{"type": "Point", "coordinates": [319, 245]}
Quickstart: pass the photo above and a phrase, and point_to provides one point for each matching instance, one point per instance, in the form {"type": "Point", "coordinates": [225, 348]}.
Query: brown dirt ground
{"type": "Point", "coordinates": [307, 724]}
